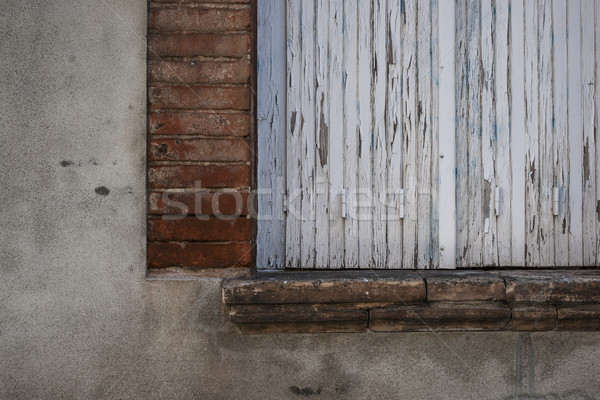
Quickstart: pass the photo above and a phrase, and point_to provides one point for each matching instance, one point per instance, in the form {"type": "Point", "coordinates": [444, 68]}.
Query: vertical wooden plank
{"type": "Point", "coordinates": [546, 137]}
{"type": "Point", "coordinates": [380, 167]}
{"type": "Point", "coordinates": [424, 136]}
{"type": "Point", "coordinates": [517, 144]}
{"type": "Point", "coordinates": [488, 133]}
{"type": "Point", "coordinates": [336, 134]}
{"type": "Point", "coordinates": [597, 3]}
{"type": "Point", "coordinates": [462, 137]}
{"type": "Point", "coordinates": [588, 70]}
{"type": "Point", "coordinates": [435, 139]}
{"type": "Point", "coordinates": [394, 129]}
{"type": "Point", "coordinates": [503, 161]}
{"type": "Point", "coordinates": [532, 134]}
{"type": "Point", "coordinates": [365, 192]}
{"type": "Point", "coordinates": [409, 129]}
{"type": "Point", "coordinates": [350, 28]}
{"type": "Point", "coordinates": [447, 132]}
{"type": "Point", "coordinates": [575, 134]}
{"type": "Point", "coordinates": [475, 173]}
{"type": "Point", "coordinates": [271, 133]}
{"type": "Point", "coordinates": [561, 144]}
{"type": "Point", "coordinates": [294, 161]}
{"type": "Point", "coordinates": [307, 147]}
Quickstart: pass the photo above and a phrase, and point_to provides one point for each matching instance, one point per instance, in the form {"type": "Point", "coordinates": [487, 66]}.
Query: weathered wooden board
{"type": "Point", "coordinates": [517, 134]}
{"type": "Point", "coordinates": [561, 139]}
{"type": "Point", "coordinates": [575, 133]}
{"type": "Point", "coordinates": [503, 204]}
{"type": "Point", "coordinates": [588, 161]}
{"type": "Point", "coordinates": [272, 125]}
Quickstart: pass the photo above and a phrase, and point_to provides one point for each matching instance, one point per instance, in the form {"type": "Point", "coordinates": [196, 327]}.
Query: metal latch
{"type": "Point", "coordinates": [345, 203]}
{"type": "Point", "coordinates": [555, 200]}
{"type": "Point", "coordinates": [497, 200]}
{"type": "Point", "coordinates": [401, 203]}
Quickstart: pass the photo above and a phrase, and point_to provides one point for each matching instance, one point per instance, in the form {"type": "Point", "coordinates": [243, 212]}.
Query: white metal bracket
{"type": "Point", "coordinates": [497, 198]}
{"type": "Point", "coordinates": [401, 204]}
{"type": "Point", "coordinates": [284, 204]}
{"type": "Point", "coordinates": [344, 203]}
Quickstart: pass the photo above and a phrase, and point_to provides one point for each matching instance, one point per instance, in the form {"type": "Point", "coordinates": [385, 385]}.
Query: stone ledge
{"type": "Point", "coordinates": [457, 300]}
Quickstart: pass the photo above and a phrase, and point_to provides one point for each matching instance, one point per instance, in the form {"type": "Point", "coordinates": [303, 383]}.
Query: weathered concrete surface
{"type": "Point", "coordinates": [79, 320]}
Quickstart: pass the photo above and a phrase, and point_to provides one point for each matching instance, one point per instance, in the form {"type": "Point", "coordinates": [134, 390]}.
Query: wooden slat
{"type": "Point", "coordinates": [532, 181]}
{"type": "Point", "coordinates": [336, 134]}
{"type": "Point", "coordinates": [307, 123]}
{"type": "Point", "coordinates": [561, 144]}
{"type": "Point", "coordinates": [475, 173]}
{"type": "Point", "coordinates": [435, 142]}
{"type": "Point", "coordinates": [503, 160]}
{"type": "Point", "coordinates": [546, 139]}
{"type": "Point", "coordinates": [365, 216]}
{"type": "Point", "coordinates": [409, 119]}
{"type": "Point", "coordinates": [380, 166]}
{"type": "Point", "coordinates": [597, 3]}
{"type": "Point", "coordinates": [424, 135]}
{"type": "Point", "coordinates": [588, 160]}
{"type": "Point", "coordinates": [271, 117]}
{"type": "Point", "coordinates": [351, 131]}
{"type": "Point", "coordinates": [575, 133]}
{"type": "Point", "coordinates": [488, 134]}
{"type": "Point", "coordinates": [518, 134]}
{"type": "Point", "coordinates": [462, 200]}
{"type": "Point", "coordinates": [294, 162]}
{"type": "Point", "coordinates": [394, 136]}
{"type": "Point", "coordinates": [447, 135]}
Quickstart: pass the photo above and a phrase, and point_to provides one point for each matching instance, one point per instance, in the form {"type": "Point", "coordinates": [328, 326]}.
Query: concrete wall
{"type": "Point", "coordinates": [78, 319]}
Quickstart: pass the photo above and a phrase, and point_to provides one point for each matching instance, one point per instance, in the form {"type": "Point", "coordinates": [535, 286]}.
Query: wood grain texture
{"type": "Point", "coordinates": [294, 160]}
{"type": "Point", "coordinates": [424, 135]}
{"type": "Point", "coordinates": [588, 161]}
{"type": "Point", "coordinates": [561, 139]}
{"type": "Point", "coordinates": [308, 127]}
{"type": "Point", "coordinates": [384, 95]}
{"type": "Point", "coordinates": [503, 132]}
{"type": "Point", "coordinates": [272, 124]}
{"type": "Point", "coordinates": [409, 129]}
{"type": "Point", "coordinates": [351, 126]}
{"type": "Point", "coordinates": [575, 133]}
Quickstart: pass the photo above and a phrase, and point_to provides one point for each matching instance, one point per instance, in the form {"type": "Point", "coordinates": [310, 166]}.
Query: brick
{"type": "Point", "coordinates": [195, 229]}
{"type": "Point", "coordinates": [247, 313]}
{"type": "Point", "coordinates": [552, 286]}
{"type": "Point", "coordinates": [178, 203]}
{"type": "Point", "coordinates": [208, 150]}
{"type": "Point", "coordinates": [208, 176]}
{"type": "Point", "coordinates": [199, 255]}
{"type": "Point", "coordinates": [303, 327]}
{"type": "Point", "coordinates": [440, 317]}
{"type": "Point", "coordinates": [201, 1]}
{"type": "Point", "coordinates": [198, 123]}
{"type": "Point", "coordinates": [326, 287]}
{"type": "Point", "coordinates": [194, 19]}
{"type": "Point", "coordinates": [194, 72]}
{"type": "Point", "coordinates": [194, 44]}
{"type": "Point", "coordinates": [533, 318]}
{"type": "Point", "coordinates": [178, 273]}
{"type": "Point", "coordinates": [463, 286]}
{"type": "Point", "coordinates": [579, 318]}
{"type": "Point", "coordinates": [199, 97]}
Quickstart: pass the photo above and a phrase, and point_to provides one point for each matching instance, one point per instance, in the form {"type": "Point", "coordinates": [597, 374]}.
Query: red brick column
{"type": "Point", "coordinates": [200, 137]}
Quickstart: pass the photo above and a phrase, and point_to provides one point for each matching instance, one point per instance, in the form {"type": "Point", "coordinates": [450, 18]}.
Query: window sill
{"type": "Point", "coordinates": [413, 301]}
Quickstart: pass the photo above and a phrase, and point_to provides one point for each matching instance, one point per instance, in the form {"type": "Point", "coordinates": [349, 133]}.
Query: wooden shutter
{"type": "Point", "coordinates": [480, 114]}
